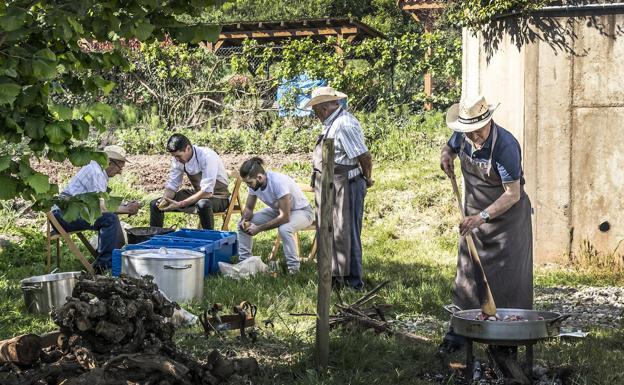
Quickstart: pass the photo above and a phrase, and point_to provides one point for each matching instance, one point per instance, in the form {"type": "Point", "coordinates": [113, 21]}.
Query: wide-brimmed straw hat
{"type": "Point", "coordinates": [322, 95]}
{"type": "Point", "coordinates": [116, 153]}
{"type": "Point", "coordinates": [470, 114]}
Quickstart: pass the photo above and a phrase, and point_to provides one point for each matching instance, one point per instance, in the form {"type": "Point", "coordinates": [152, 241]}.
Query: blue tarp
{"type": "Point", "coordinates": [301, 87]}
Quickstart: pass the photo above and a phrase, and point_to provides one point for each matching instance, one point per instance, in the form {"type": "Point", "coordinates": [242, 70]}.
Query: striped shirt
{"type": "Point", "coordinates": [348, 138]}
{"type": "Point", "coordinates": [204, 161]}
{"type": "Point", "coordinates": [90, 178]}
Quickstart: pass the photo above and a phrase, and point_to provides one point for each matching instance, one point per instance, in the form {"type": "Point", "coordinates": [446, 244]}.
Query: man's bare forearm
{"type": "Point", "coordinates": [366, 163]}
{"type": "Point", "coordinates": [195, 197]}
{"type": "Point", "coordinates": [509, 198]}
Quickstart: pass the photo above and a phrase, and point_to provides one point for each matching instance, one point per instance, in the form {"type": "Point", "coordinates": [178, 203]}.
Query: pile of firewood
{"type": "Point", "coordinates": [113, 331]}
{"type": "Point", "coordinates": [371, 317]}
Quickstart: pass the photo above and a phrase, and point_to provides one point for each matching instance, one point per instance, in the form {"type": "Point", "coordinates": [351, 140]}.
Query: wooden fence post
{"type": "Point", "coordinates": [325, 254]}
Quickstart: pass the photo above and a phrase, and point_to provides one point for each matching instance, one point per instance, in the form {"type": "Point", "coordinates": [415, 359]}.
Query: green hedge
{"type": "Point", "coordinates": [390, 135]}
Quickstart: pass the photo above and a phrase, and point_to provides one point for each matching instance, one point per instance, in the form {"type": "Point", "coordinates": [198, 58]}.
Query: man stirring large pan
{"type": "Point", "coordinates": [497, 211]}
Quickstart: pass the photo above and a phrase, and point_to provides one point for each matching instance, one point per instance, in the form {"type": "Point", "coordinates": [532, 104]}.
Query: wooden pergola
{"type": "Point", "coordinates": [421, 8]}
{"type": "Point", "coordinates": [424, 11]}
{"type": "Point", "coordinates": [350, 29]}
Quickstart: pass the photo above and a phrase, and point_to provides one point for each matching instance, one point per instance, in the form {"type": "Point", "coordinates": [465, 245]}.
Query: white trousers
{"type": "Point", "coordinates": [299, 220]}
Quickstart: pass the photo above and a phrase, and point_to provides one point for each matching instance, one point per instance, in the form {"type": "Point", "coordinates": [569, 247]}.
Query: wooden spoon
{"type": "Point", "coordinates": [488, 306]}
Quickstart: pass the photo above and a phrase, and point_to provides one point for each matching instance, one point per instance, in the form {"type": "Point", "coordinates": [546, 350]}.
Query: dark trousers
{"type": "Point", "coordinates": [357, 189]}
{"type": "Point", "coordinates": [205, 209]}
{"type": "Point", "coordinates": [109, 231]}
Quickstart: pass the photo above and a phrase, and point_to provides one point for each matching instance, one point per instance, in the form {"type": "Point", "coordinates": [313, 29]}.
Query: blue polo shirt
{"type": "Point", "coordinates": [506, 159]}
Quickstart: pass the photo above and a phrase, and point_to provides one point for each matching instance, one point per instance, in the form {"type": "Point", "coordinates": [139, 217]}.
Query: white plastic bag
{"type": "Point", "coordinates": [244, 269]}
{"type": "Point", "coordinates": [180, 316]}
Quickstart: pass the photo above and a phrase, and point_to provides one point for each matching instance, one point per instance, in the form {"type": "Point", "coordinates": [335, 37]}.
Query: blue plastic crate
{"type": "Point", "coordinates": [211, 235]}
{"type": "Point", "coordinates": [226, 248]}
{"type": "Point", "coordinates": [206, 247]}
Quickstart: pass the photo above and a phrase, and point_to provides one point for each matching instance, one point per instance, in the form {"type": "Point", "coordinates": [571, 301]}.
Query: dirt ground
{"type": "Point", "coordinates": [152, 170]}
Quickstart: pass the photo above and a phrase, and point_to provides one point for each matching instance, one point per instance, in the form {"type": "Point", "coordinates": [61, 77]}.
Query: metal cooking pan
{"type": "Point", "coordinates": [142, 234]}
{"type": "Point", "coordinates": [535, 325]}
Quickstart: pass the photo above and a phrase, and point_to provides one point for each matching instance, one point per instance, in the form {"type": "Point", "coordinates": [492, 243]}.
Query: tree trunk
{"type": "Point", "coordinates": [22, 350]}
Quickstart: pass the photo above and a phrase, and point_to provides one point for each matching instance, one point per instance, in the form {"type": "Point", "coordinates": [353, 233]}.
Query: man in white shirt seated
{"type": "Point", "coordinates": [93, 178]}
{"type": "Point", "coordinates": [206, 172]}
{"type": "Point", "coordinates": [289, 211]}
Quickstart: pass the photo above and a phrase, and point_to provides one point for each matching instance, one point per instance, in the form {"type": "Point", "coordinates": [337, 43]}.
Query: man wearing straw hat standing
{"type": "Point", "coordinates": [352, 176]}
{"type": "Point", "coordinates": [497, 209]}
{"type": "Point", "coordinates": [94, 178]}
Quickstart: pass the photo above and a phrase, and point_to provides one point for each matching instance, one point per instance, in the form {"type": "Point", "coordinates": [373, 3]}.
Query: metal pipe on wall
{"type": "Point", "coordinates": [566, 8]}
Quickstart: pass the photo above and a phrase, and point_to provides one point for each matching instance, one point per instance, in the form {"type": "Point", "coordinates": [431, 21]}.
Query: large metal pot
{"type": "Point", "coordinates": [178, 273]}
{"type": "Point", "coordinates": [535, 325]}
{"type": "Point", "coordinates": [43, 292]}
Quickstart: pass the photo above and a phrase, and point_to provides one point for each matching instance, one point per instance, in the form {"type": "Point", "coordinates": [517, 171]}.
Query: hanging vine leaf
{"type": "Point", "coordinates": [44, 55]}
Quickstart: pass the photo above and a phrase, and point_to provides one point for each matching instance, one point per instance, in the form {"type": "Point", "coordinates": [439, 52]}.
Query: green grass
{"type": "Point", "coordinates": [409, 238]}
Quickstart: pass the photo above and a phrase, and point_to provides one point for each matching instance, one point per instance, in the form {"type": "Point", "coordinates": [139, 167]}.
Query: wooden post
{"type": "Point", "coordinates": [325, 254]}
{"type": "Point", "coordinates": [428, 80]}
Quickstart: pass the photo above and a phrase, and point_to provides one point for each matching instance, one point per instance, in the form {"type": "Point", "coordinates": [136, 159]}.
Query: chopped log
{"type": "Point", "coordinates": [55, 373]}
{"type": "Point", "coordinates": [383, 327]}
{"type": "Point", "coordinates": [21, 350]}
{"type": "Point", "coordinates": [149, 363]}
{"type": "Point", "coordinates": [85, 358]}
{"type": "Point", "coordinates": [51, 339]}
{"type": "Point", "coordinates": [509, 365]}
{"type": "Point", "coordinates": [113, 331]}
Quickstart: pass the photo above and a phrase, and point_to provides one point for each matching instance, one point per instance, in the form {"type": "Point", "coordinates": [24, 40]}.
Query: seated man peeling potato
{"type": "Point", "coordinates": [206, 172]}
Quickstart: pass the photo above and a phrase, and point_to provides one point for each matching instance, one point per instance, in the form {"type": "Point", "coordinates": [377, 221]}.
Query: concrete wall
{"type": "Point", "coordinates": [567, 111]}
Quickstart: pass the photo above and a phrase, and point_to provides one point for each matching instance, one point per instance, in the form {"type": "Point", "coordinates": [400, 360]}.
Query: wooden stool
{"type": "Point", "coordinates": [53, 223]}
{"type": "Point", "coordinates": [310, 256]}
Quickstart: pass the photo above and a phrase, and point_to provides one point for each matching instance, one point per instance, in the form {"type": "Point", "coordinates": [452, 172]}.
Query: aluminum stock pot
{"type": "Point", "coordinates": [178, 273]}
{"type": "Point", "coordinates": [533, 326]}
{"type": "Point", "coordinates": [43, 292]}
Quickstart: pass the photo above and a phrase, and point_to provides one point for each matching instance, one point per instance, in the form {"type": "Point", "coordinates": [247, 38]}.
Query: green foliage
{"type": "Point", "coordinates": [383, 15]}
{"type": "Point", "coordinates": [384, 71]}
{"type": "Point", "coordinates": [394, 136]}
{"type": "Point", "coordinates": [178, 80]}
{"type": "Point", "coordinates": [43, 56]}
{"type": "Point", "coordinates": [389, 134]}
{"type": "Point", "coordinates": [476, 13]}
{"type": "Point", "coordinates": [283, 136]}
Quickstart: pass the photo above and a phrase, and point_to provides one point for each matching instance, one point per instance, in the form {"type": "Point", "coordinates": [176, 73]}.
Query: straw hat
{"type": "Point", "coordinates": [116, 153]}
{"type": "Point", "coordinates": [470, 114]}
{"type": "Point", "coordinates": [322, 95]}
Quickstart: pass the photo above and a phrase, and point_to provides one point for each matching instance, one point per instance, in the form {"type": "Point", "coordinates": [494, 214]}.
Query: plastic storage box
{"type": "Point", "coordinates": [204, 246]}
{"type": "Point", "coordinates": [226, 243]}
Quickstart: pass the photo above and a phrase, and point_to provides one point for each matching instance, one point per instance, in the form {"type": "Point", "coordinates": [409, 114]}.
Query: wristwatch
{"type": "Point", "coordinates": [485, 215]}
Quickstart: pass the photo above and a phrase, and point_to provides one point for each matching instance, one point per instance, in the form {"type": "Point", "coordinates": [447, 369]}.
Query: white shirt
{"type": "Point", "coordinates": [278, 185]}
{"type": "Point", "coordinates": [348, 138]}
{"type": "Point", "coordinates": [90, 178]}
{"type": "Point", "coordinates": [204, 161]}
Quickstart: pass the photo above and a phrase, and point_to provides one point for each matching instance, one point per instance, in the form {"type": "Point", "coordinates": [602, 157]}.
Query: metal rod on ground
{"type": "Point", "coordinates": [325, 254]}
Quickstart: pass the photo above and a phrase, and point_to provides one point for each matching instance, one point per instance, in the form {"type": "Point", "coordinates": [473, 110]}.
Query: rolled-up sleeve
{"type": "Point", "coordinates": [209, 170]}
{"type": "Point", "coordinates": [455, 142]}
{"type": "Point", "coordinates": [509, 163]}
{"type": "Point", "coordinates": [176, 175]}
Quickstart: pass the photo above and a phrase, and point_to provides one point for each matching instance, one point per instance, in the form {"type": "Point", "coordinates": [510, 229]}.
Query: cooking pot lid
{"type": "Point", "coordinates": [163, 253]}
{"type": "Point", "coordinates": [50, 277]}
{"type": "Point", "coordinates": [148, 231]}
